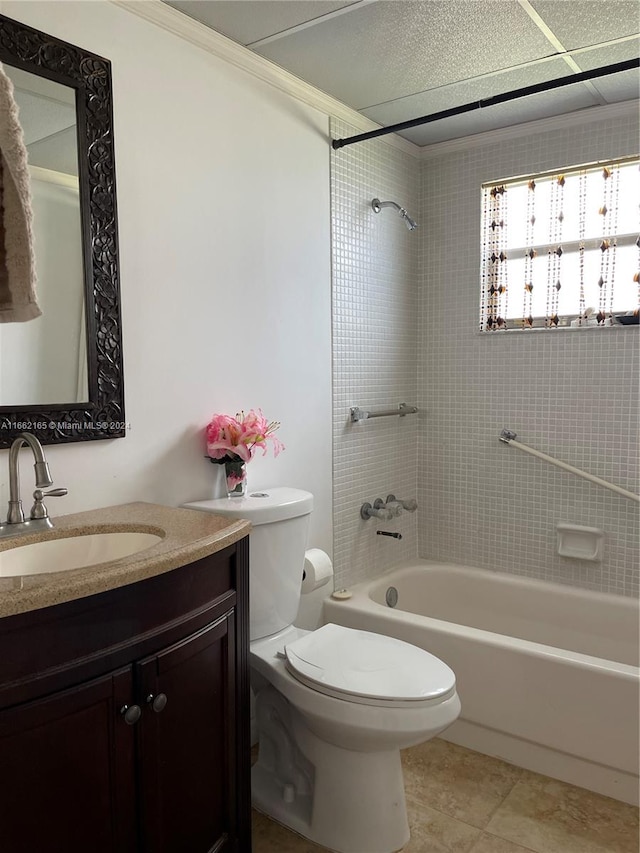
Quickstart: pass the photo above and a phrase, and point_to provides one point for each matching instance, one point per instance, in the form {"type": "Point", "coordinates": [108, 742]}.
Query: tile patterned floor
{"type": "Point", "coordinates": [461, 801]}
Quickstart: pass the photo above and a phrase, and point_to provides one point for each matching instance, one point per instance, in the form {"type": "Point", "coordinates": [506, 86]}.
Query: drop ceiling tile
{"type": "Point", "coordinates": [607, 55]}
{"type": "Point", "coordinates": [616, 87]}
{"type": "Point", "coordinates": [579, 23]}
{"type": "Point", "coordinates": [465, 92]}
{"type": "Point", "coordinates": [543, 105]}
{"type": "Point", "coordinates": [625, 87]}
{"type": "Point", "coordinates": [388, 49]}
{"type": "Point", "coordinates": [247, 21]}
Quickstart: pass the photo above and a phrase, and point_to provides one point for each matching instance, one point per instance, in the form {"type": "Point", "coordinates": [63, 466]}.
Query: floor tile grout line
{"type": "Point", "coordinates": [502, 838]}
{"type": "Point", "coordinates": [502, 802]}
{"type": "Point", "coordinates": [516, 781]}
{"type": "Point", "coordinates": [416, 802]}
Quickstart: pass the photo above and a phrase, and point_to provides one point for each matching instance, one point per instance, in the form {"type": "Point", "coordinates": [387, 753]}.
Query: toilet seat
{"type": "Point", "coordinates": [366, 668]}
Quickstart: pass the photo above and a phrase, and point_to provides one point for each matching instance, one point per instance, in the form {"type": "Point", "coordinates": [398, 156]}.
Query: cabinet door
{"type": "Point", "coordinates": [66, 771]}
{"type": "Point", "coordinates": [187, 785]}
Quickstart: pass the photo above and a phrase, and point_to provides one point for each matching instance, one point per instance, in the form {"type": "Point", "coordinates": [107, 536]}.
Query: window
{"type": "Point", "coordinates": [562, 248]}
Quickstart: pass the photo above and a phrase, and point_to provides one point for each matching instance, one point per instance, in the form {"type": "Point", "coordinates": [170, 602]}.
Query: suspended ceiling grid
{"type": "Point", "coordinates": [394, 60]}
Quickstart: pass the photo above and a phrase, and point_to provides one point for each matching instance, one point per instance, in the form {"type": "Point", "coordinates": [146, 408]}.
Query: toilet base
{"type": "Point", "coordinates": [345, 800]}
{"type": "Point", "coordinates": [362, 811]}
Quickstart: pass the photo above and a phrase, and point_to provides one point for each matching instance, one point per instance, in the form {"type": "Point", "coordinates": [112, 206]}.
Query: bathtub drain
{"type": "Point", "coordinates": [392, 596]}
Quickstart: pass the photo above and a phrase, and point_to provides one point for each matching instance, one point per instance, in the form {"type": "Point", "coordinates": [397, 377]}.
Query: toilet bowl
{"type": "Point", "coordinates": [329, 763]}
{"type": "Point", "coordinates": [334, 706]}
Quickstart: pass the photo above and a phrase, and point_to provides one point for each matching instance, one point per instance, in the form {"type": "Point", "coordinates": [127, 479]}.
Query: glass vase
{"type": "Point", "coordinates": [235, 471]}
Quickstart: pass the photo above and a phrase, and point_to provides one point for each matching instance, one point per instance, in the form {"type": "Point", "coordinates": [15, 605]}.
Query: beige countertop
{"type": "Point", "coordinates": [188, 535]}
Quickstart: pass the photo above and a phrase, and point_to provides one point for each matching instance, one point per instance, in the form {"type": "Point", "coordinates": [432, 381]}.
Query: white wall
{"type": "Point", "coordinates": [223, 208]}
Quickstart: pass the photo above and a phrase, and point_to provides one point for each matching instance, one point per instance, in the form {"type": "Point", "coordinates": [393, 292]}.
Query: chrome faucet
{"type": "Point", "coordinates": [39, 519]}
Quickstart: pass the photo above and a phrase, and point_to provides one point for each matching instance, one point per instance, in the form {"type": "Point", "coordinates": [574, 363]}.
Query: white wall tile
{"type": "Point", "coordinates": [572, 394]}
{"type": "Point", "coordinates": [375, 327]}
{"type": "Point", "coordinates": [406, 325]}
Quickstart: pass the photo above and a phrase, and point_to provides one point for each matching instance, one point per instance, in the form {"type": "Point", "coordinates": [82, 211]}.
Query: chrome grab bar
{"type": "Point", "coordinates": [358, 414]}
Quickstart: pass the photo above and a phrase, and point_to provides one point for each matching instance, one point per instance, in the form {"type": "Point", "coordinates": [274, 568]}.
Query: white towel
{"type": "Point", "coordinates": [18, 300]}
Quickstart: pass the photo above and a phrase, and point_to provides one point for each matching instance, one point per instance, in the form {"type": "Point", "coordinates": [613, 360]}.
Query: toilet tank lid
{"type": "Point", "coordinates": [261, 506]}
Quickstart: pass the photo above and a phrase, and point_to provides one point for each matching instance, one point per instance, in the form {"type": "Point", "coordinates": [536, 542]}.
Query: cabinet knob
{"type": "Point", "coordinates": [131, 714]}
{"type": "Point", "coordinates": [158, 703]}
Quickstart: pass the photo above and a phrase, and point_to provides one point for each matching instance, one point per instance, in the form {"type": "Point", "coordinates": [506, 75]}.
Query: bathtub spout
{"type": "Point", "coordinates": [388, 533]}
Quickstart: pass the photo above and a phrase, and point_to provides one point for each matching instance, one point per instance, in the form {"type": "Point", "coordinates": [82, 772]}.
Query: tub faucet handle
{"type": "Point", "coordinates": [367, 511]}
{"type": "Point", "coordinates": [410, 505]}
{"type": "Point", "coordinates": [393, 509]}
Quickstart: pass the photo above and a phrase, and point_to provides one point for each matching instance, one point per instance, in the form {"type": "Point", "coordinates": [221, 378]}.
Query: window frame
{"type": "Point", "coordinates": [569, 247]}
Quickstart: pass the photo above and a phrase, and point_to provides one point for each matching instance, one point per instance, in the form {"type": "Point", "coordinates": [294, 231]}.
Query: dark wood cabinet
{"type": "Point", "coordinates": [187, 764]}
{"type": "Point", "coordinates": [124, 717]}
{"type": "Point", "coordinates": [65, 771]}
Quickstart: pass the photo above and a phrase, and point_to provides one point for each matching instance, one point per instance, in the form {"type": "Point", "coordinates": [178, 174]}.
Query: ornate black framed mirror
{"type": "Point", "coordinates": [61, 375]}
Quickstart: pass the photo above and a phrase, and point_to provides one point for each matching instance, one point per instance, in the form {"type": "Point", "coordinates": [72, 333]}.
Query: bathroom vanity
{"type": "Point", "coordinates": [124, 693]}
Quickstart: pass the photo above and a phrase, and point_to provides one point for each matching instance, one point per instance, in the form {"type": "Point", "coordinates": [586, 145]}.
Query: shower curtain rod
{"type": "Point", "coordinates": [603, 71]}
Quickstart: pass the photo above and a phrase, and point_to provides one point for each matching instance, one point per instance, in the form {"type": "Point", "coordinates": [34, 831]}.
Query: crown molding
{"type": "Point", "coordinates": [235, 54]}
{"type": "Point", "coordinates": [608, 112]}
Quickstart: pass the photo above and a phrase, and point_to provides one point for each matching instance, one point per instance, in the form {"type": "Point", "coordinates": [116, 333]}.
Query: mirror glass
{"type": "Point", "coordinates": [44, 361]}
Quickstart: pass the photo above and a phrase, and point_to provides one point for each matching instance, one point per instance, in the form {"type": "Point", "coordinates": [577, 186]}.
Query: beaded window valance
{"type": "Point", "coordinates": [562, 248]}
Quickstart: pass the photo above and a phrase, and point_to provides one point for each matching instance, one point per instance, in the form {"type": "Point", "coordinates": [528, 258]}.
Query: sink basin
{"type": "Point", "coordinates": [57, 555]}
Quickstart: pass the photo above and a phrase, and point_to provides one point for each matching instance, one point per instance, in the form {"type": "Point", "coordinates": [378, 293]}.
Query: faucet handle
{"type": "Point", "coordinates": [39, 510]}
{"type": "Point", "coordinates": [393, 508]}
{"type": "Point", "coordinates": [367, 511]}
{"type": "Point", "coordinates": [410, 505]}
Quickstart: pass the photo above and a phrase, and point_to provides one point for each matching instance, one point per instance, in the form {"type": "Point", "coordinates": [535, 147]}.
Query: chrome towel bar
{"type": "Point", "coordinates": [358, 414]}
{"type": "Point", "coordinates": [508, 437]}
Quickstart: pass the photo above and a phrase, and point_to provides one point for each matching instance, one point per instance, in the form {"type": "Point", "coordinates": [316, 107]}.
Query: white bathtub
{"type": "Point", "coordinates": [547, 674]}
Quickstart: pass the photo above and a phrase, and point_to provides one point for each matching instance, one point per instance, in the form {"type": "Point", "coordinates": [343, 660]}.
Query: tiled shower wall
{"type": "Point", "coordinates": [375, 333]}
{"type": "Point", "coordinates": [572, 394]}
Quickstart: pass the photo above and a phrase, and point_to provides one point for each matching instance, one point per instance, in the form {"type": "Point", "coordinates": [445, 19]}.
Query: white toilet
{"type": "Point", "coordinates": [334, 706]}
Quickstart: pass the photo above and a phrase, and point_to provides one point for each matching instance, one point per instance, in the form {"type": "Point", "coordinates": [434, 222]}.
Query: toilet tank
{"type": "Point", "coordinates": [277, 542]}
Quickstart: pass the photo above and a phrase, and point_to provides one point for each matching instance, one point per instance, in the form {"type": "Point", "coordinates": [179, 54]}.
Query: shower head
{"type": "Point", "coordinates": [408, 221]}
{"type": "Point", "coordinates": [377, 206]}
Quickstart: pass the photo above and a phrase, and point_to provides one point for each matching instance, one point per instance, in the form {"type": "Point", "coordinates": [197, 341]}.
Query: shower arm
{"type": "Point", "coordinates": [377, 206]}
